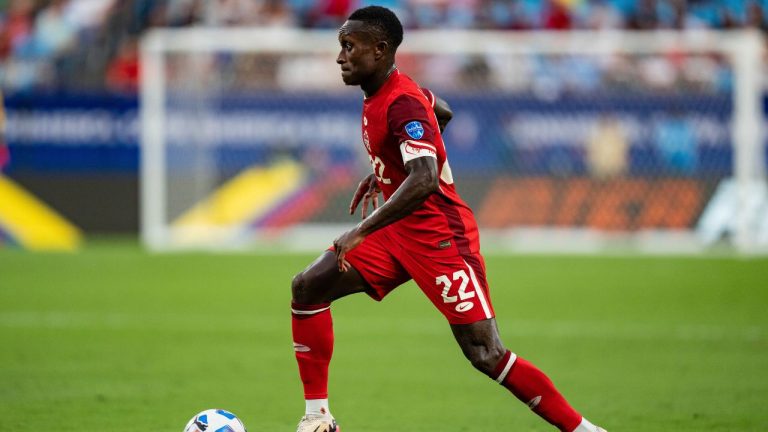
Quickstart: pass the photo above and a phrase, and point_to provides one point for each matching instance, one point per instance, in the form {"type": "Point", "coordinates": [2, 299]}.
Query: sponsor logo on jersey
{"type": "Point", "coordinates": [414, 129]}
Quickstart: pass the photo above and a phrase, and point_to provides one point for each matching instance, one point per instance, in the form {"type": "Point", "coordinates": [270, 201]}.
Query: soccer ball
{"type": "Point", "coordinates": [215, 420]}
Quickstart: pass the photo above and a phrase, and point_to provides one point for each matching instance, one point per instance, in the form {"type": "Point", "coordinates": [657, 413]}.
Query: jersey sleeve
{"type": "Point", "coordinates": [430, 96]}
{"type": "Point", "coordinates": [410, 123]}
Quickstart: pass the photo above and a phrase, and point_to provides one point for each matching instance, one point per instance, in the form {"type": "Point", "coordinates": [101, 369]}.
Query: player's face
{"type": "Point", "coordinates": [358, 53]}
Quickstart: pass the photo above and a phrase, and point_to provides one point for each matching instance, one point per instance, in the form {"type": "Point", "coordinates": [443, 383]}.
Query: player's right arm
{"type": "Point", "coordinates": [443, 113]}
{"type": "Point", "coordinates": [442, 110]}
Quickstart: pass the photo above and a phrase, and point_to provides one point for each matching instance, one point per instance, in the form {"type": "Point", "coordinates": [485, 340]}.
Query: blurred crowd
{"type": "Point", "coordinates": [93, 44]}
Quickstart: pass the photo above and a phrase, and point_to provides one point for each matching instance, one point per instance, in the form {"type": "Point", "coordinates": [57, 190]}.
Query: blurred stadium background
{"type": "Point", "coordinates": [614, 128]}
{"type": "Point", "coordinates": [555, 150]}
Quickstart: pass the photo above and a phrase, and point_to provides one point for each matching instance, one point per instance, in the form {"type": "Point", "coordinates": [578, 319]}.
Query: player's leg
{"type": "Point", "coordinates": [457, 286]}
{"type": "Point", "coordinates": [373, 271]}
{"type": "Point", "coordinates": [322, 282]}
{"type": "Point", "coordinates": [482, 346]}
{"type": "Point", "coordinates": [312, 291]}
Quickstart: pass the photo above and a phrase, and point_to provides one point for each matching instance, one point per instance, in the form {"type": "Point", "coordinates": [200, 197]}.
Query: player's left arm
{"type": "Point", "coordinates": [411, 125]}
{"type": "Point", "coordinates": [421, 182]}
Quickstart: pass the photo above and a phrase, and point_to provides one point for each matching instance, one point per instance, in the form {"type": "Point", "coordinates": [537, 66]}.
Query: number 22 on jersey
{"type": "Point", "coordinates": [378, 169]}
{"type": "Point", "coordinates": [461, 294]}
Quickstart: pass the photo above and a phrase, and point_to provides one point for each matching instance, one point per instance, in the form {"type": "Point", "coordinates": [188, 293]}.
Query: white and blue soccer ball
{"type": "Point", "coordinates": [215, 420]}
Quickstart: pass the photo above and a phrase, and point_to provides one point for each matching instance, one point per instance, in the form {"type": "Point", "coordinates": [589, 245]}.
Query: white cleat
{"type": "Point", "coordinates": [599, 429]}
{"type": "Point", "coordinates": [317, 423]}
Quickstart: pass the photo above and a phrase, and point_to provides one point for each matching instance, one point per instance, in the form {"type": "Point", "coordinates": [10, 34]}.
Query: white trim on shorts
{"type": "Point", "coordinates": [479, 291]}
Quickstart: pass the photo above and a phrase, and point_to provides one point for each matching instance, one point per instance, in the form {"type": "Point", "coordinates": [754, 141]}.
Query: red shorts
{"type": "Point", "coordinates": [455, 284]}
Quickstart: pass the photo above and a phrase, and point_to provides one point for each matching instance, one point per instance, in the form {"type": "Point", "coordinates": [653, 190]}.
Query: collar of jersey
{"type": "Point", "coordinates": [387, 83]}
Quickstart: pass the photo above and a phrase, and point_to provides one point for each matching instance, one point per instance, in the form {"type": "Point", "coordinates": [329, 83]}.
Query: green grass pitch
{"type": "Point", "coordinates": [114, 339]}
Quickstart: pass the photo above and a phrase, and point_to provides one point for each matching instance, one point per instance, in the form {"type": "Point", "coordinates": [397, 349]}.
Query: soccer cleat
{"type": "Point", "coordinates": [317, 423]}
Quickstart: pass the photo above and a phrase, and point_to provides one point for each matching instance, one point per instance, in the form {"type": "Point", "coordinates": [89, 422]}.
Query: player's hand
{"type": "Point", "coordinates": [345, 243]}
{"type": "Point", "coordinates": [367, 191]}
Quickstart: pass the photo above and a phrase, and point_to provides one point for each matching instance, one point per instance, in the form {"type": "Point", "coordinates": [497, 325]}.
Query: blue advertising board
{"type": "Point", "coordinates": [490, 133]}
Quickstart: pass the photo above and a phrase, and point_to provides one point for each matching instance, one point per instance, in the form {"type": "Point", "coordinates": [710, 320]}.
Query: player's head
{"type": "Point", "coordinates": [369, 39]}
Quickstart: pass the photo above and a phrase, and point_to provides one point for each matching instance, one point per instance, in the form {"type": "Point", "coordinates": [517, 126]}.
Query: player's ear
{"type": "Point", "coordinates": [381, 49]}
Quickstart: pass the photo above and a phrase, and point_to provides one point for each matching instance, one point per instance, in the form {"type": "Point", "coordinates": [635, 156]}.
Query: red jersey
{"type": "Point", "coordinates": [399, 125]}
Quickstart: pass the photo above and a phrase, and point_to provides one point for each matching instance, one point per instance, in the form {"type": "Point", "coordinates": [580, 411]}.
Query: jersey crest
{"type": "Point", "coordinates": [414, 129]}
{"type": "Point", "coordinates": [399, 126]}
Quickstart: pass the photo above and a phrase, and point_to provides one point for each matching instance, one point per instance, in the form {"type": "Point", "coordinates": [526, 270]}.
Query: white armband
{"type": "Point", "coordinates": [411, 150]}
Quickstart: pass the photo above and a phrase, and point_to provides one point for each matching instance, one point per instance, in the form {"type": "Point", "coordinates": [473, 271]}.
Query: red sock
{"type": "Point", "coordinates": [313, 342]}
{"type": "Point", "coordinates": [536, 390]}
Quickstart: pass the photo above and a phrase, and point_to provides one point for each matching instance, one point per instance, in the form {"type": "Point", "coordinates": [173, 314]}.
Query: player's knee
{"type": "Point", "coordinates": [485, 358]}
{"type": "Point", "coordinates": [305, 289]}
{"type": "Point", "coordinates": [300, 289]}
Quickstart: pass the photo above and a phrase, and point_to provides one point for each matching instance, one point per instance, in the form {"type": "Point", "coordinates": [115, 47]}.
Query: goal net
{"type": "Point", "coordinates": [560, 142]}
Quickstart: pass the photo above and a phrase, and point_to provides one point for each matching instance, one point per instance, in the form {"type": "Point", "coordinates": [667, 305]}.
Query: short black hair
{"type": "Point", "coordinates": [382, 20]}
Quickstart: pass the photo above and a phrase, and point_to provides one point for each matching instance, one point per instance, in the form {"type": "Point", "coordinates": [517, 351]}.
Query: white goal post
{"type": "Point", "coordinates": [734, 212]}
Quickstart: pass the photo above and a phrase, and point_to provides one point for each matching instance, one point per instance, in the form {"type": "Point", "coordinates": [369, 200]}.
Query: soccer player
{"type": "Point", "coordinates": [424, 231]}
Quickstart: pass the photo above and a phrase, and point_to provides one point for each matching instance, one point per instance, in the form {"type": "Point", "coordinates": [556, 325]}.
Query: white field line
{"type": "Point", "coordinates": [630, 331]}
